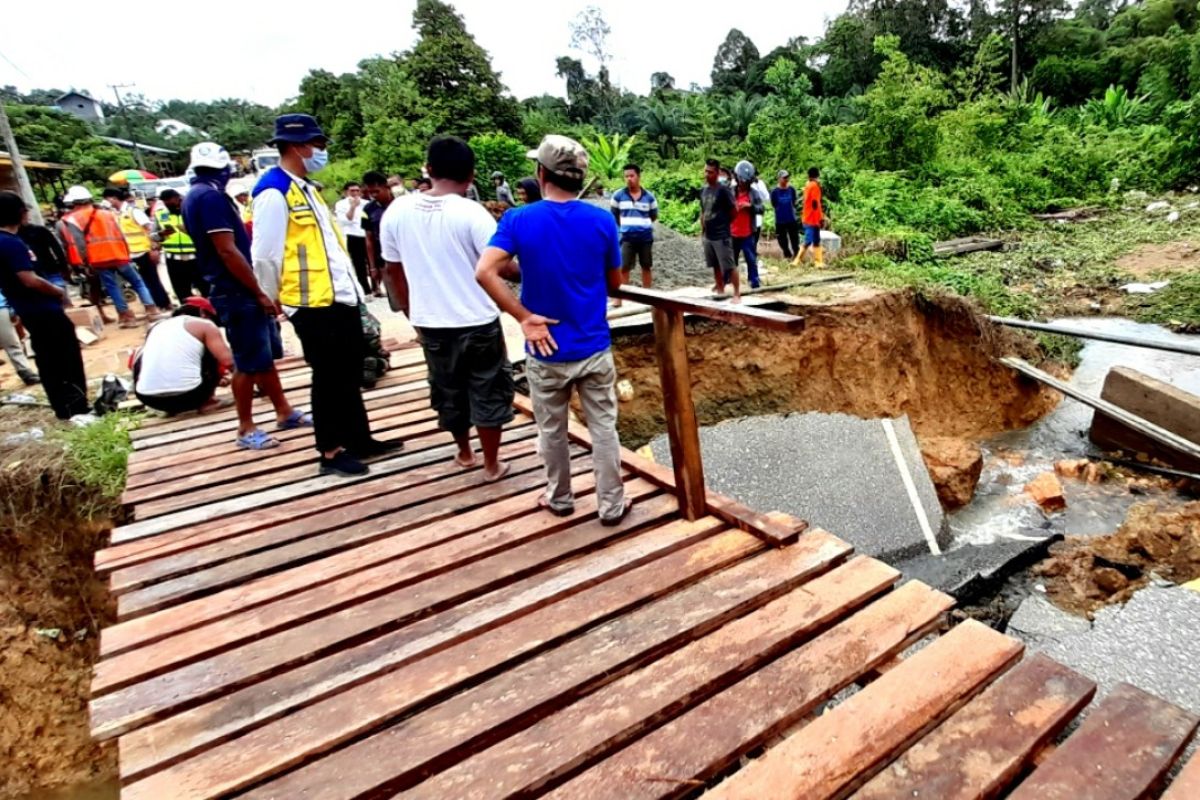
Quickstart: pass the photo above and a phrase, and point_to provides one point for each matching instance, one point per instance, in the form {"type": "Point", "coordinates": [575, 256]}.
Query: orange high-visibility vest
{"type": "Point", "coordinates": [94, 239]}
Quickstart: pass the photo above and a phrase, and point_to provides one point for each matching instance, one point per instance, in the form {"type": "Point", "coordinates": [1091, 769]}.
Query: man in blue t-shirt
{"type": "Point", "coordinates": [39, 305]}
{"type": "Point", "coordinates": [787, 227]}
{"type": "Point", "coordinates": [635, 210]}
{"type": "Point", "coordinates": [223, 257]}
{"type": "Point", "coordinates": [570, 258]}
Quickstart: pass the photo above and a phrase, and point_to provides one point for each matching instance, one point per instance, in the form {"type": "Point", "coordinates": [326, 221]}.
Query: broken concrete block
{"type": "Point", "coordinates": [87, 317]}
{"type": "Point", "coordinates": [1071, 468]}
{"type": "Point", "coordinates": [85, 336]}
{"type": "Point", "coordinates": [624, 391]}
{"type": "Point", "coordinates": [1038, 621]}
{"type": "Point", "coordinates": [1154, 401]}
{"type": "Point", "coordinates": [1047, 492]}
{"type": "Point", "coordinates": [954, 466]}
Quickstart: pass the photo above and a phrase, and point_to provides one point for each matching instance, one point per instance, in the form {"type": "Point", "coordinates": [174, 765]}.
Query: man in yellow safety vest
{"type": "Point", "coordinates": [301, 263]}
{"type": "Point", "coordinates": [178, 247]}
{"type": "Point", "coordinates": [143, 252]}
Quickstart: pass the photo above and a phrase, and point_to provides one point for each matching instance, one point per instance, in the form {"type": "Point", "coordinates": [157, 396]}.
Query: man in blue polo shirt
{"type": "Point", "coordinates": [223, 255]}
{"type": "Point", "coordinates": [636, 211]}
{"type": "Point", "coordinates": [570, 258]}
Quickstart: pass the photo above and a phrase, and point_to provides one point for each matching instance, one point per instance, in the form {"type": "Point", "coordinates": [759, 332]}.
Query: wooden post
{"type": "Point", "coordinates": [682, 429]}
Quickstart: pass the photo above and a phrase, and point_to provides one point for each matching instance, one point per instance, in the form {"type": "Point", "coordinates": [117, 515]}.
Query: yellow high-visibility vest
{"type": "Point", "coordinates": [178, 243]}
{"type": "Point", "coordinates": [135, 235]}
{"type": "Point", "coordinates": [306, 280]}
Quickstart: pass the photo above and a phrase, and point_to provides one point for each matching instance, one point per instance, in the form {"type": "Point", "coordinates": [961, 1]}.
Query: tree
{"type": "Point", "coordinates": [459, 89]}
{"type": "Point", "coordinates": [496, 152]}
{"type": "Point", "coordinates": [851, 62]}
{"type": "Point", "coordinates": [591, 99]}
{"type": "Point", "coordinates": [1025, 20]}
{"type": "Point", "coordinates": [665, 125]}
{"type": "Point", "coordinates": [334, 102]}
{"type": "Point", "coordinates": [737, 112]}
{"type": "Point", "coordinates": [607, 156]}
{"type": "Point", "coordinates": [931, 32]}
{"type": "Point", "coordinates": [661, 83]}
{"type": "Point", "coordinates": [589, 34]}
{"type": "Point", "coordinates": [735, 61]}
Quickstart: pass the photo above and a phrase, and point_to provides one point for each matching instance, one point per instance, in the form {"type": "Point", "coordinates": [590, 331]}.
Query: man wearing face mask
{"type": "Point", "coordinates": [301, 262]}
{"type": "Point", "coordinates": [223, 258]}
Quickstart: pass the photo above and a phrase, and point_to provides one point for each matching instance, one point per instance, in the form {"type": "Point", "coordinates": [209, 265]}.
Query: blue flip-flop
{"type": "Point", "coordinates": [297, 419]}
{"type": "Point", "coordinates": [257, 440]}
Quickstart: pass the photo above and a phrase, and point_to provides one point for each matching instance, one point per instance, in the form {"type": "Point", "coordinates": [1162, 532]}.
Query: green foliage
{"type": "Point", "coordinates": [1178, 303]}
{"type": "Point", "coordinates": [497, 152]}
{"type": "Point", "coordinates": [683, 217]}
{"type": "Point", "coordinates": [736, 65]}
{"type": "Point", "coordinates": [99, 453]}
{"type": "Point", "coordinates": [1115, 110]}
{"type": "Point", "coordinates": [337, 174]}
{"type": "Point", "coordinates": [898, 131]}
{"type": "Point", "coordinates": [608, 156]}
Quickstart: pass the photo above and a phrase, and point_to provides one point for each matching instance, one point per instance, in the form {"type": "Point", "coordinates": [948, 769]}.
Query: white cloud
{"type": "Point", "coordinates": [261, 54]}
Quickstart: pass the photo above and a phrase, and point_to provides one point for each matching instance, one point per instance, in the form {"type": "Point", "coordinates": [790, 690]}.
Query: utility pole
{"type": "Point", "coordinates": [1016, 31]}
{"type": "Point", "coordinates": [137, 153]}
{"type": "Point", "coordinates": [10, 143]}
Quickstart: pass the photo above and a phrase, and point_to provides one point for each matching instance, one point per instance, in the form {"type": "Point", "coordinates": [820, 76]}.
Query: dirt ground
{"type": "Point", "coordinates": [1155, 260]}
{"type": "Point", "coordinates": [1085, 573]}
{"type": "Point", "coordinates": [871, 354]}
{"type": "Point", "coordinates": [51, 609]}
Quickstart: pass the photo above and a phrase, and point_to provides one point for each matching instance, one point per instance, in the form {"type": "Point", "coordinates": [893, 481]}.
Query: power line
{"type": "Point", "coordinates": [12, 64]}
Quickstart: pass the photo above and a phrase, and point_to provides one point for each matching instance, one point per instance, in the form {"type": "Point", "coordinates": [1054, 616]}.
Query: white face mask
{"type": "Point", "coordinates": [723, 180]}
{"type": "Point", "coordinates": [317, 161]}
{"type": "Point", "coordinates": [398, 191]}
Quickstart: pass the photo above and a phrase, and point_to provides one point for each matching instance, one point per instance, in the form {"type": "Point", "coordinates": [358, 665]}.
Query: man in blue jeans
{"type": "Point", "coordinates": [570, 258]}
{"type": "Point", "coordinates": [223, 256]}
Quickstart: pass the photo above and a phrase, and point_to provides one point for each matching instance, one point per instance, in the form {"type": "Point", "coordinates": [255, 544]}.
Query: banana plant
{"type": "Point", "coordinates": [608, 155]}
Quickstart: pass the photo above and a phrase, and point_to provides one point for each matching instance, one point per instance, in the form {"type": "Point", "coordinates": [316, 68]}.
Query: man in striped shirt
{"type": "Point", "coordinates": [635, 210]}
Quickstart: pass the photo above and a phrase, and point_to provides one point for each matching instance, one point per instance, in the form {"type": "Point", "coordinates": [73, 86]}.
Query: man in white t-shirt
{"type": "Point", "coordinates": [431, 243]}
{"type": "Point", "coordinates": [349, 215]}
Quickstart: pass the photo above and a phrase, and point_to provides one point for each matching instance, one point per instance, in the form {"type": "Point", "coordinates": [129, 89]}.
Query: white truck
{"type": "Point", "coordinates": [263, 159]}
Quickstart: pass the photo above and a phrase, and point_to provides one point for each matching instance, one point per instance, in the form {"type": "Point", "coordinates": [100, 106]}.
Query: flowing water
{"type": "Point", "coordinates": [1001, 510]}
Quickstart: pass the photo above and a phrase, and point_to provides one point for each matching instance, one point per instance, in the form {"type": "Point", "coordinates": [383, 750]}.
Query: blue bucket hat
{"type": "Point", "coordinates": [297, 129]}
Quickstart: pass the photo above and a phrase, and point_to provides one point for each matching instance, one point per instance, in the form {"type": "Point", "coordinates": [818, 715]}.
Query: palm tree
{"type": "Point", "coordinates": [666, 125]}
{"type": "Point", "coordinates": [738, 112]}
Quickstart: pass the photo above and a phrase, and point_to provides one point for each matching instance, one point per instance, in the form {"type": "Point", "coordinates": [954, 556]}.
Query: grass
{"type": "Point", "coordinates": [98, 454]}
{"type": "Point", "coordinates": [1177, 305]}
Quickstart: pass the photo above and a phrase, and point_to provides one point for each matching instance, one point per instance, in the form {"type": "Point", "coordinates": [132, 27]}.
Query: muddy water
{"type": "Point", "coordinates": [1000, 509]}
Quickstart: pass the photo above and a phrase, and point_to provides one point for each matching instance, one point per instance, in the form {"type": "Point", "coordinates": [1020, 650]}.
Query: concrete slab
{"type": "Point", "coordinates": [976, 571]}
{"type": "Point", "coordinates": [1040, 622]}
{"type": "Point", "coordinates": [1153, 642]}
{"type": "Point", "coordinates": [838, 472]}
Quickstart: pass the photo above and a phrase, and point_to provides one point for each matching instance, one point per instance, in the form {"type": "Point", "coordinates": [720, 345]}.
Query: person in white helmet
{"type": "Point", "coordinates": [223, 257]}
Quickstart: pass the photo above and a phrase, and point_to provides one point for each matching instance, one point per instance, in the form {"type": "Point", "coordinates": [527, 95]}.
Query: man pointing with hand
{"type": "Point", "coordinates": [569, 256]}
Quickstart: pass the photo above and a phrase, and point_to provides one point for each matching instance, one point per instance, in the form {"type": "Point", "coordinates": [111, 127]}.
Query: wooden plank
{"type": "Point", "coordinates": [683, 431]}
{"type": "Point", "coordinates": [979, 751]}
{"type": "Point", "coordinates": [677, 758]}
{"type": "Point", "coordinates": [248, 556]}
{"type": "Point", "coordinates": [398, 755]}
{"type": "Point", "coordinates": [239, 571]}
{"type": "Point", "coordinates": [303, 515]}
{"type": "Point", "coordinates": [147, 471]}
{"type": "Point", "coordinates": [1122, 750]}
{"type": "Point", "coordinates": [432, 656]}
{"type": "Point", "coordinates": [843, 747]}
{"type": "Point", "coordinates": [560, 744]}
{"type": "Point", "coordinates": [724, 312]}
{"type": "Point", "coordinates": [268, 464]}
{"type": "Point", "coordinates": [204, 661]}
{"type": "Point", "coordinates": [174, 442]}
{"type": "Point", "coordinates": [1186, 785]}
{"type": "Point", "coordinates": [775, 528]}
{"type": "Point", "coordinates": [1142, 426]}
{"type": "Point", "coordinates": [326, 486]}
{"type": "Point", "coordinates": [970, 244]}
{"type": "Point", "coordinates": [1100, 336]}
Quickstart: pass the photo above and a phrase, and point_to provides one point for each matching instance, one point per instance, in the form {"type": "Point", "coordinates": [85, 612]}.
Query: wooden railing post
{"type": "Point", "coordinates": [683, 432]}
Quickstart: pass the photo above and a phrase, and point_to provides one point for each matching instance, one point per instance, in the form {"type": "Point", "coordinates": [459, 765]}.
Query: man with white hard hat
{"type": "Point", "coordinates": [223, 256]}
{"type": "Point", "coordinates": [95, 241]}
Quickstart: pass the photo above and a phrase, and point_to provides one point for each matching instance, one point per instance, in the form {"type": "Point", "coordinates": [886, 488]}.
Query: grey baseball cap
{"type": "Point", "coordinates": [783, 173]}
{"type": "Point", "coordinates": [562, 156]}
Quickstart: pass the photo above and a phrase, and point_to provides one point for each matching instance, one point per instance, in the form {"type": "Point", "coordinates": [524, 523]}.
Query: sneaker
{"type": "Point", "coordinates": [343, 464]}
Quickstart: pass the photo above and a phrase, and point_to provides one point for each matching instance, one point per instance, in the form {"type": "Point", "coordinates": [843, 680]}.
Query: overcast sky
{"type": "Point", "coordinates": [263, 59]}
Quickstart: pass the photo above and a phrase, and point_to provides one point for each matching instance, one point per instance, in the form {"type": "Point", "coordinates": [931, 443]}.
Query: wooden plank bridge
{"type": "Point", "coordinates": [419, 633]}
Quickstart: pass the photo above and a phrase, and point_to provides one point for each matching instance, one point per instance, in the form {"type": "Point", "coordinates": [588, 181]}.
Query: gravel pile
{"type": "Point", "coordinates": [678, 259]}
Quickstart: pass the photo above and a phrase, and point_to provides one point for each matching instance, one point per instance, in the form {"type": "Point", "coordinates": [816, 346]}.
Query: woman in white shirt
{"type": "Point", "coordinates": [183, 361]}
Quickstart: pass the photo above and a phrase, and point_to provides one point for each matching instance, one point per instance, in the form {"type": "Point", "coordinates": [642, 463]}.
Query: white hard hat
{"type": "Point", "coordinates": [209, 154]}
{"type": "Point", "coordinates": [78, 194]}
{"type": "Point", "coordinates": [234, 189]}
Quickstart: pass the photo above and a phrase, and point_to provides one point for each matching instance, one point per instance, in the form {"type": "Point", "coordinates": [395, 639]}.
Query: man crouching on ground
{"type": "Point", "coordinates": [570, 257]}
{"type": "Point", "coordinates": [431, 243]}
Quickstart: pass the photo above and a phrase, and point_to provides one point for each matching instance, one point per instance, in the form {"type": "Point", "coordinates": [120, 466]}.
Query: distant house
{"type": "Point", "coordinates": [80, 105]}
{"type": "Point", "coordinates": [174, 127]}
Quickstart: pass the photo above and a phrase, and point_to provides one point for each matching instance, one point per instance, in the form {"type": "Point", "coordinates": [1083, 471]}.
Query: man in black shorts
{"type": "Point", "coordinates": [716, 215]}
{"type": "Point", "coordinates": [431, 243]}
{"type": "Point", "coordinates": [636, 211]}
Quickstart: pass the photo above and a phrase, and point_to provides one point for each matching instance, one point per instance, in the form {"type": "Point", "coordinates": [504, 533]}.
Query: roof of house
{"type": "Point", "coordinates": [77, 94]}
{"type": "Point", "coordinates": [6, 161]}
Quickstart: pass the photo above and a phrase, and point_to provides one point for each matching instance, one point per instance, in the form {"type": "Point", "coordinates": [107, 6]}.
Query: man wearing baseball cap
{"type": "Point", "coordinates": [302, 263]}
{"type": "Point", "coordinates": [570, 258]}
{"type": "Point", "coordinates": [223, 257]}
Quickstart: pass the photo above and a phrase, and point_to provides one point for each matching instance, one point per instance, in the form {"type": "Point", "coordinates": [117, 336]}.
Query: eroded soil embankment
{"type": "Point", "coordinates": [884, 354]}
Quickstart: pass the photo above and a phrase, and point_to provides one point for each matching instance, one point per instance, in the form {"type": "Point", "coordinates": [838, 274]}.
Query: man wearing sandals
{"type": "Point", "coordinates": [223, 257]}
{"type": "Point", "coordinates": [431, 242]}
{"type": "Point", "coordinates": [570, 258]}
{"type": "Point", "coordinates": [302, 264]}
